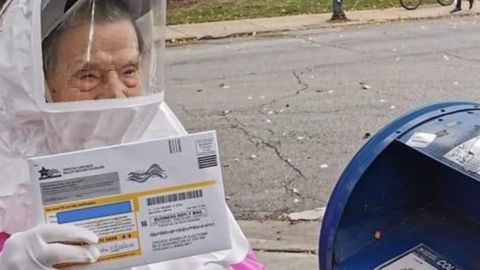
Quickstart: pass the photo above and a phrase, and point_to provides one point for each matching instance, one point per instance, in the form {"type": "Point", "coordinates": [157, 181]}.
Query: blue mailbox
{"type": "Point", "coordinates": [410, 199]}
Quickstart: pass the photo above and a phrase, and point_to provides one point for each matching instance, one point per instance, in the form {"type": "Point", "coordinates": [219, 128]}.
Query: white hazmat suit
{"type": "Point", "coordinates": [32, 125]}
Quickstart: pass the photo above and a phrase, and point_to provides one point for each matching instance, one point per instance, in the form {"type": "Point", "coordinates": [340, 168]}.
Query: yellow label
{"type": "Point", "coordinates": [122, 237]}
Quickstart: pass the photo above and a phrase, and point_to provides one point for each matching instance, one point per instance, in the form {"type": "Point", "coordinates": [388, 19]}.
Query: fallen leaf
{"type": "Point", "coordinates": [364, 86]}
{"type": "Point", "coordinates": [224, 86]}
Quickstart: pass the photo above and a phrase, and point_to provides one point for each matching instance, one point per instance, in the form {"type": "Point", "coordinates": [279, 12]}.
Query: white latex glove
{"type": "Point", "coordinates": [45, 246]}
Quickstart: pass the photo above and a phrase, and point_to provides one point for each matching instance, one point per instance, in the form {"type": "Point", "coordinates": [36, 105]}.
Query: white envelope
{"type": "Point", "coordinates": [148, 202]}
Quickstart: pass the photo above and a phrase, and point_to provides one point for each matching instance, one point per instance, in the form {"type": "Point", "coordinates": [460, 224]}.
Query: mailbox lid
{"type": "Point", "coordinates": [452, 139]}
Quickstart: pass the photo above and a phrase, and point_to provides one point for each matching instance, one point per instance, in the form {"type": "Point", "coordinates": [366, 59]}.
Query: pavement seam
{"type": "Point", "coordinates": [174, 28]}
{"type": "Point", "coordinates": [311, 41]}
{"type": "Point", "coordinates": [345, 49]}
{"type": "Point", "coordinates": [254, 24]}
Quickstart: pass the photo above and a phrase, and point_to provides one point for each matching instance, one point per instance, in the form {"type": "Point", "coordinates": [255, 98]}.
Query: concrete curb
{"type": "Point", "coordinates": [188, 33]}
{"type": "Point", "coordinates": [284, 245]}
{"type": "Point", "coordinates": [282, 236]}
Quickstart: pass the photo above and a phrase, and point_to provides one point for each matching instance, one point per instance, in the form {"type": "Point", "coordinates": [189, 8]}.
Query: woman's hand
{"type": "Point", "coordinates": [48, 245]}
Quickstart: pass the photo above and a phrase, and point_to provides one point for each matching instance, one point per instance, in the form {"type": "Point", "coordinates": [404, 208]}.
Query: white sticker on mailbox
{"type": "Point", "coordinates": [467, 155]}
{"type": "Point", "coordinates": [411, 261]}
{"type": "Point", "coordinates": [419, 258]}
{"type": "Point", "coordinates": [421, 139]}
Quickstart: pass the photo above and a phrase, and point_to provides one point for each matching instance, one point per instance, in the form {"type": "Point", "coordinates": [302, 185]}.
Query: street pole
{"type": "Point", "coordinates": [338, 14]}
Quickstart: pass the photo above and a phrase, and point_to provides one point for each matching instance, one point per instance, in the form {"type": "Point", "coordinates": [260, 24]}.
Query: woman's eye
{"type": "Point", "coordinates": [130, 71]}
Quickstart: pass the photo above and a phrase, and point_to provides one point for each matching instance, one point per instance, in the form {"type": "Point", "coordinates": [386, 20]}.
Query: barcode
{"type": "Point", "coordinates": [175, 197]}
{"type": "Point", "coordinates": [174, 146]}
{"type": "Point", "coordinates": [207, 162]}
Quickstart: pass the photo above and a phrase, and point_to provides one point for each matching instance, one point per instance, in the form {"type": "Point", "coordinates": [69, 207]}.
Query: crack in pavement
{"type": "Point", "coordinates": [236, 124]}
{"type": "Point", "coordinates": [186, 111]}
{"type": "Point", "coordinates": [462, 58]}
{"type": "Point", "coordinates": [300, 82]}
{"type": "Point", "coordinates": [316, 200]}
{"type": "Point", "coordinates": [260, 108]}
{"type": "Point", "coordinates": [304, 87]}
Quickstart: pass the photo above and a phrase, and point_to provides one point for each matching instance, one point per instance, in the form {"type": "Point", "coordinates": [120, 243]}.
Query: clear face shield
{"type": "Point", "coordinates": [102, 50]}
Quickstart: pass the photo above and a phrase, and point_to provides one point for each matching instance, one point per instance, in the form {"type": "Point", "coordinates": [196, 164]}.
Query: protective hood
{"type": "Point", "coordinates": [33, 125]}
{"type": "Point", "coordinates": [58, 97]}
{"type": "Point", "coordinates": [31, 121]}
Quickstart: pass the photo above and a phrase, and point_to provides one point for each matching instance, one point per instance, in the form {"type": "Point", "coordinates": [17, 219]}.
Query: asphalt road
{"type": "Point", "coordinates": [291, 110]}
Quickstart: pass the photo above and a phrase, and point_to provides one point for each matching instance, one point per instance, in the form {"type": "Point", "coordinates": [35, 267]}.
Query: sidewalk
{"type": "Point", "coordinates": [217, 30]}
{"type": "Point", "coordinates": [282, 245]}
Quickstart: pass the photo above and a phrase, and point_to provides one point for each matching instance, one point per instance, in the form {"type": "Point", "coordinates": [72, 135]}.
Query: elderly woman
{"type": "Point", "coordinates": [100, 83]}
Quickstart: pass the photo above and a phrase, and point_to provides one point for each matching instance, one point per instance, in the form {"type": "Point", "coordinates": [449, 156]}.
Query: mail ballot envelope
{"type": "Point", "coordinates": [148, 202]}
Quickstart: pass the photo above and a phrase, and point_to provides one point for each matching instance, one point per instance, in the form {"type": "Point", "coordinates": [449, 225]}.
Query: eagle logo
{"type": "Point", "coordinates": [49, 173]}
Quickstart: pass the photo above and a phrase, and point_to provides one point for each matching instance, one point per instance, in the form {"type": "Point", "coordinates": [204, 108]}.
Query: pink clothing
{"type": "Point", "coordinates": [3, 238]}
{"type": "Point", "coordinates": [249, 263]}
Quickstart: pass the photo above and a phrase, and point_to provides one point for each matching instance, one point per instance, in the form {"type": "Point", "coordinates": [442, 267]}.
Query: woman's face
{"type": "Point", "coordinates": [108, 66]}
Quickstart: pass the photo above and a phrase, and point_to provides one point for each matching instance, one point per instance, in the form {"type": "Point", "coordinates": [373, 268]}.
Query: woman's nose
{"type": "Point", "coordinates": [114, 87]}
